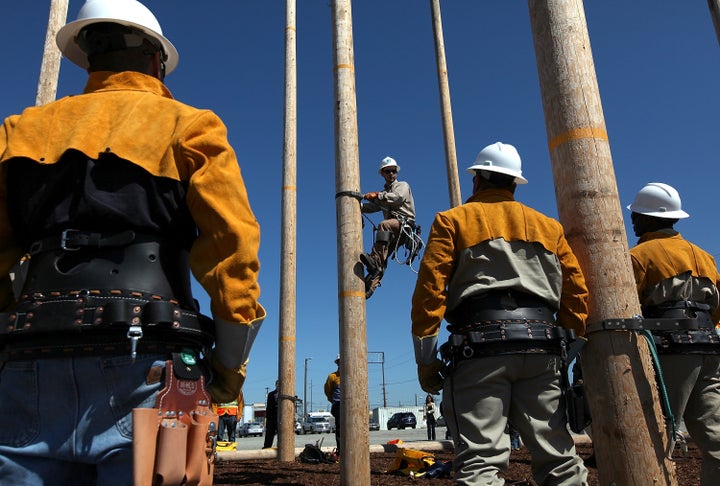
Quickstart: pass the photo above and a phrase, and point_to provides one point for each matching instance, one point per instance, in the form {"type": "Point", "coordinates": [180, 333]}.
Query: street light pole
{"type": "Point", "coordinates": [305, 391]}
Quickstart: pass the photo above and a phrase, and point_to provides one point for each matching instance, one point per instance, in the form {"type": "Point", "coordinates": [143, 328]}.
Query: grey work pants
{"type": "Point", "coordinates": [479, 397]}
{"type": "Point", "coordinates": [693, 387]}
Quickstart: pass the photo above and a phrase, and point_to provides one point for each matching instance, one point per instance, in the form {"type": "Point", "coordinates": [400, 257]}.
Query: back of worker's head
{"type": "Point", "coordinates": [115, 35]}
{"type": "Point", "coordinates": [656, 206]}
{"type": "Point", "coordinates": [498, 163]}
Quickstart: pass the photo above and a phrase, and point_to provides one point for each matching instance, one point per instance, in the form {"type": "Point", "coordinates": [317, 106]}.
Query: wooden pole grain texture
{"type": "Point", "coordinates": [354, 434]}
{"type": "Point", "coordinates": [714, 6]}
{"type": "Point", "coordinates": [445, 106]}
{"type": "Point", "coordinates": [628, 429]}
{"type": "Point", "coordinates": [50, 67]}
{"type": "Point", "coordinates": [288, 251]}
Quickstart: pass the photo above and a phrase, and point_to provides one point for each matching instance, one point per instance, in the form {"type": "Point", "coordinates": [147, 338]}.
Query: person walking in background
{"type": "Point", "coordinates": [116, 195]}
{"type": "Point", "coordinates": [396, 203]}
{"type": "Point", "coordinates": [332, 393]}
{"type": "Point", "coordinates": [498, 272]}
{"type": "Point", "coordinates": [429, 415]}
{"type": "Point", "coordinates": [271, 417]}
{"type": "Point", "coordinates": [678, 280]}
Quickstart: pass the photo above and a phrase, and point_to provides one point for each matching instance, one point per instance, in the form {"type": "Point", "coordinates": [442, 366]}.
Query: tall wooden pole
{"type": "Point", "coordinates": [288, 274]}
{"type": "Point", "coordinates": [714, 6]}
{"type": "Point", "coordinates": [50, 68]}
{"type": "Point", "coordinates": [628, 429]}
{"type": "Point", "coordinates": [354, 435]}
{"type": "Point", "coordinates": [446, 107]}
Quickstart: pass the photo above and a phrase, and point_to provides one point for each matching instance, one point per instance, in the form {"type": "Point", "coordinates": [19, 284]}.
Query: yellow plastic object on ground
{"type": "Point", "coordinates": [411, 462]}
{"type": "Point", "coordinates": [226, 446]}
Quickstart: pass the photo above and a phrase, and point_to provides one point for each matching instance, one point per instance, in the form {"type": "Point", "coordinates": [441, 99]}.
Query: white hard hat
{"type": "Point", "coordinates": [388, 162]}
{"type": "Point", "coordinates": [502, 158]}
{"type": "Point", "coordinates": [337, 359]}
{"type": "Point", "coordinates": [658, 200]}
{"type": "Point", "coordinates": [130, 13]}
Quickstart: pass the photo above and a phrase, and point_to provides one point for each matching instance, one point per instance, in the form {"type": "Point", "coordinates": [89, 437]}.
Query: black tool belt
{"type": "Point", "coordinates": [694, 334]}
{"type": "Point", "coordinates": [497, 306]}
{"type": "Point", "coordinates": [104, 293]}
{"type": "Point", "coordinates": [507, 337]}
{"type": "Point", "coordinates": [100, 322]}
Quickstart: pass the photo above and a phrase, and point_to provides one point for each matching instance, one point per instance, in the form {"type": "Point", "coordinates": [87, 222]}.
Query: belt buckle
{"type": "Point", "coordinates": [64, 236]}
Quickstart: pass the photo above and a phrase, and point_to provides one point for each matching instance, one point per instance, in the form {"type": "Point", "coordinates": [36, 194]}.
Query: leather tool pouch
{"type": "Point", "coordinates": [174, 443]}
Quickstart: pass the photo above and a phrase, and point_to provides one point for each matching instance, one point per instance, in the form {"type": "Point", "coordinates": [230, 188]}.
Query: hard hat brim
{"type": "Point", "coordinates": [65, 40]}
{"type": "Point", "coordinates": [519, 179]}
{"type": "Point", "coordinates": [679, 214]}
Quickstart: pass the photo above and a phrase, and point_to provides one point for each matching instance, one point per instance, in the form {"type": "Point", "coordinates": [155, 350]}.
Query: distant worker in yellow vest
{"type": "Point", "coordinates": [228, 417]}
{"type": "Point", "coordinates": [332, 392]}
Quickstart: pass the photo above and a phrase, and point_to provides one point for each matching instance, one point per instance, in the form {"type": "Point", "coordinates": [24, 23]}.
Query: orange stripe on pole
{"type": "Point", "coordinates": [352, 294]}
{"type": "Point", "coordinates": [289, 188]}
{"type": "Point", "coordinates": [578, 133]}
{"type": "Point", "coordinates": [290, 27]}
{"type": "Point", "coordinates": [288, 339]}
{"type": "Point", "coordinates": [345, 66]}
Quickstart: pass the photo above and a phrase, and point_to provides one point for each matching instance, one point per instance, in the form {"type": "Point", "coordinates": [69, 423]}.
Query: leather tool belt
{"type": "Point", "coordinates": [506, 337]}
{"type": "Point", "coordinates": [174, 443]}
{"type": "Point", "coordinates": [500, 305]}
{"type": "Point", "coordinates": [86, 293]}
{"type": "Point", "coordinates": [697, 334]}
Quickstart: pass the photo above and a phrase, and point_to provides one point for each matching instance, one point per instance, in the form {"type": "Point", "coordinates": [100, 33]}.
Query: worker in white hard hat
{"type": "Point", "coordinates": [116, 195]}
{"type": "Point", "coordinates": [398, 208]}
{"type": "Point", "coordinates": [678, 281]}
{"type": "Point", "coordinates": [505, 278]}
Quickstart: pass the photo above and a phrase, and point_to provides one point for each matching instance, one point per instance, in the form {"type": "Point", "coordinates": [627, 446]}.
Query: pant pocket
{"type": "Point", "coordinates": [19, 403]}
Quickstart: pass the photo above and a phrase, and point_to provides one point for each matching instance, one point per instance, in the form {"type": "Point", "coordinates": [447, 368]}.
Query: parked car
{"type": "Point", "coordinates": [374, 425]}
{"type": "Point", "coordinates": [256, 429]}
{"type": "Point", "coordinates": [316, 425]}
{"type": "Point", "coordinates": [401, 420]}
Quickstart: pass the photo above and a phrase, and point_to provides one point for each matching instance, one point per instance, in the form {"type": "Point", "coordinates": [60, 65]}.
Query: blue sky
{"type": "Point", "coordinates": [657, 63]}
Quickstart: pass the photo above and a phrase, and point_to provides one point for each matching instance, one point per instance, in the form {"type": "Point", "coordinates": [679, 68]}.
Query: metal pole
{"type": "Point", "coordinates": [446, 108]}
{"type": "Point", "coordinates": [305, 391]}
{"type": "Point", "coordinates": [288, 274]}
{"type": "Point", "coordinates": [354, 435]}
{"type": "Point", "coordinates": [628, 428]}
{"type": "Point", "coordinates": [714, 6]}
{"type": "Point", "coordinates": [50, 68]}
{"type": "Point", "coordinates": [383, 379]}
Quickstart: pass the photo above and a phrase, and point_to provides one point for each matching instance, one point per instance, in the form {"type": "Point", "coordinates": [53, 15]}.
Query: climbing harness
{"type": "Point", "coordinates": [408, 244]}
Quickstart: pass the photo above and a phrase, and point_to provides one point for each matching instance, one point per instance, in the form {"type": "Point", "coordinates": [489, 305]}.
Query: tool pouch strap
{"type": "Point", "coordinates": [174, 443]}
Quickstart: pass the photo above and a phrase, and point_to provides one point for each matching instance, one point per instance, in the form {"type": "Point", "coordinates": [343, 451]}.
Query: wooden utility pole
{"type": "Point", "coordinates": [628, 429]}
{"type": "Point", "coordinates": [50, 68]}
{"type": "Point", "coordinates": [446, 107]}
{"type": "Point", "coordinates": [714, 6]}
{"type": "Point", "coordinates": [288, 273]}
{"type": "Point", "coordinates": [354, 435]}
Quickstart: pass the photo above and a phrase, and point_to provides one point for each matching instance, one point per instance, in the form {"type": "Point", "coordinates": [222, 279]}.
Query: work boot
{"type": "Point", "coordinates": [373, 269]}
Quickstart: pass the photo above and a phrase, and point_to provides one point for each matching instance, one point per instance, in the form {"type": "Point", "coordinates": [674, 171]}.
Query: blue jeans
{"type": "Point", "coordinates": [68, 421]}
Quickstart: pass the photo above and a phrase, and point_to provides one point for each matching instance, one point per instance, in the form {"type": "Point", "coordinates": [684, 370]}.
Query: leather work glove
{"type": "Point", "coordinates": [370, 196]}
{"type": "Point", "coordinates": [430, 376]}
{"type": "Point", "coordinates": [226, 384]}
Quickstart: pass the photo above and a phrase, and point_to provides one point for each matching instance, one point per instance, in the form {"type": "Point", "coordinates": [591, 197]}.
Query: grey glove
{"type": "Point", "coordinates": [430, 376]}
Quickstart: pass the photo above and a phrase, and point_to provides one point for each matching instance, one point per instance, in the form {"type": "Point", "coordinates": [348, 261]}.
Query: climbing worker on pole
{"type": "Point", "coordinates": [678, 280]}
{"type": "Point", "coordinates": [111, 198]}
{"type": "Point", "coordinates": [398, 208]}
{"type": "Point", "coordinates": [505, 278]}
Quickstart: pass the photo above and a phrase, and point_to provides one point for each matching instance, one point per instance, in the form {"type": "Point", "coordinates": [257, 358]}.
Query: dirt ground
{"type": "Point", "coordinates": [267, 472]}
